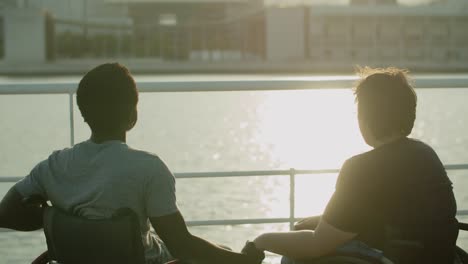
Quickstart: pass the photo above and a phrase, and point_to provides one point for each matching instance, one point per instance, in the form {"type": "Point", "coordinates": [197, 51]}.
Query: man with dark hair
{"type": "Point", "coordinates": [399, 191]}
{"type": "Point", "coordinates": [386, 104]}
{"type": "Point", "coordinates": [96, 177]}
{"type": "Point", "coordinates": [107, 99]}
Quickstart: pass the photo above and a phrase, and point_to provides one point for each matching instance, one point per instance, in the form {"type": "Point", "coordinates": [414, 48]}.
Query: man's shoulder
{"type": "Point", "coordinates": [118, 152]}
{"type": "Point", "coordinates": [421, 145]}
{"type": "Point", "coordinates": [390, 151]}
{"type": "Point", "coordinates": [143, 155]}
{"type": "Point", "coordinates": [359, 159]}
{"type": "Point", "coordinates": [363, 165]}
{"type": "Point", "coordinates": [60, 155]}
{"type": "Point", "coordinates": [145, 160]}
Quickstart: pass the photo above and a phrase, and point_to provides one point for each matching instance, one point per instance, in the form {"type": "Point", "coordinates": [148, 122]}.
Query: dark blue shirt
{"type": "Point", "coordinates": [397, 191]}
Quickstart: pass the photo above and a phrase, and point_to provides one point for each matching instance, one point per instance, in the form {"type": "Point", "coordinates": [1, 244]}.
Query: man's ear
{"type": "Point", "coordinates": [133, 119]}
{"type": "Point", "coordinates": [366, 132]}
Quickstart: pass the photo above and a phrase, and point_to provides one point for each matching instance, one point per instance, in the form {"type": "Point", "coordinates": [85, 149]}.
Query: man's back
{"type": "Point", "coordinates": [99, 176]}
{"type": "Point", "coordinates": [397, 191]}
{"type": "Point", "coordinates": [94, 180]}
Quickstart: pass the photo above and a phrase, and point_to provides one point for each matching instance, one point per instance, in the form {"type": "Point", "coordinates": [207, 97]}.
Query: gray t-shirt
{"type": "Point", "coordinates": [94, 180]}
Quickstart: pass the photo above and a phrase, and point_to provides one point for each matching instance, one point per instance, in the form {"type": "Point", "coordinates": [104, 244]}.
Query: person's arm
{"type": "Point", "coordinates": [185, 246]}
{"type": "Point", "coordinates": [15, 214]}
{"type": "Point", "coordinates": [308, 223]}
{"type": "Point", "coordinates": [304, 244]}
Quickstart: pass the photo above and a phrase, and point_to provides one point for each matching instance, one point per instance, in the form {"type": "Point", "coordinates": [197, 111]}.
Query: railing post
{"type": "Point", "coordinates": [72, 121]}
{"type": "Point", "coordinates": [292, 196]}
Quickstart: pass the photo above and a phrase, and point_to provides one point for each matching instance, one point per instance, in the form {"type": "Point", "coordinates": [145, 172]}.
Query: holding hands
{"type": "Point", "coordinates": [252, 251]}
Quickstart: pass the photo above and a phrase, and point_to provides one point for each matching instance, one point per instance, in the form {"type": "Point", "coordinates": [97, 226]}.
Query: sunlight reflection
{"type": "Point", "coordinates": [313, 193]}
{"type": "Point", "coordinates": [309, 129]}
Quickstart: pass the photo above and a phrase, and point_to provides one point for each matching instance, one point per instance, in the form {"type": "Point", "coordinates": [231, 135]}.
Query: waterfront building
{"type": "Point", "coordinates": [271, 34]}
{"type": "Point", "coordinates": [194, 29]}
{"type": "Point", "coordinates": [425, 36]}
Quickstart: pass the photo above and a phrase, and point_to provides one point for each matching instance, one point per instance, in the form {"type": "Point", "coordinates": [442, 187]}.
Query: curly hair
{"type": "Point", "coordinates": [386, 101]}
{"type": "Point", "coordinates": [107, 97]}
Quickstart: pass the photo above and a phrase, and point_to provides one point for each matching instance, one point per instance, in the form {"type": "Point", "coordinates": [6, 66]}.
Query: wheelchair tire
{"type": "Point", "coordinates": [461, 256]}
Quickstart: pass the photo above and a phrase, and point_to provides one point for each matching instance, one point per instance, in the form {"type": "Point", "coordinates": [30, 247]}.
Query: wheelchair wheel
{"type": "Point", "coordinates": [461, 256]}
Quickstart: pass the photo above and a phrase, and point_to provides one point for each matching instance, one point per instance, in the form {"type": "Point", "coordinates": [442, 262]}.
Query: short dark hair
{"type": "Point", "coordinates": [386, 101]}
{"type": "Point", "coordinates": [107, 98]}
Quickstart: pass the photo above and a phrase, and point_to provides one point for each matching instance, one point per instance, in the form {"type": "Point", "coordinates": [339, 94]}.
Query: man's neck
{"type": "Point", "coordinates": [96, 138]}
{"type": "Point", "coordinates": [387, 140]}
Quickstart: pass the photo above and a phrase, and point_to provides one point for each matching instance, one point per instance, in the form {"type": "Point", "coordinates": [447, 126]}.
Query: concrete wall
{"type": "Point", "coordinates": [25, 39]}
{"type": "Point", "coordinates": [285, 34]}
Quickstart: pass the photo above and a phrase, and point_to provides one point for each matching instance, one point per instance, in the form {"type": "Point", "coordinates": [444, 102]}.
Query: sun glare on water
{"type": "Point", "coordinates": [314, 129]}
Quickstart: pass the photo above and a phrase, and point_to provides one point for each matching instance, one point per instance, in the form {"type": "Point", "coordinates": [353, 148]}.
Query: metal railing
{"type": "Point", "coordinates": [291, 173]}
{"type": "Point", "coordinates": [239, 85]}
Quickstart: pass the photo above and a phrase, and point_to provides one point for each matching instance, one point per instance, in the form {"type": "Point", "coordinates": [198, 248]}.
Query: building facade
{"type": "Point", "coordinates": [419, 36]}
{"type": "Point", "coordinates": [327, 37]}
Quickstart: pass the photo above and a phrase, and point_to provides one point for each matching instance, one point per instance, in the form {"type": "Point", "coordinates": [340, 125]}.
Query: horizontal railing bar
{"type": "Point", "coordinates": [223, 174]}
{"type": "Point", "coordinates": [239, 221]}
{"type": "Point", "coordinates": [462, 212]}
{"type": "Point", "coordinates": [10, 179]}
{"type": "Point", "coordinates": [248, 221]}
{"type": "Point", "coordinates": [262, 220]}
{"type": "Point", "coordinates": [6, 230]}
{"type": "Point", "coordinates": [250, 173]}
{"type": "Point", "coordinates": [37, 88]}
{"type": "Point", "coordinates": [303, 83]}
{"type": "Point", "coordinates": [456, 167]}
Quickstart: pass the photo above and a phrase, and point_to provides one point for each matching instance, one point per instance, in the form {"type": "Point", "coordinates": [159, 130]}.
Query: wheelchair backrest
{"type": "Point", "coordinates": [76, 240]}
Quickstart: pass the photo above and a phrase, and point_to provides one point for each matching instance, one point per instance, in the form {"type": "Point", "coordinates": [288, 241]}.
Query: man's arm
{"type": "Point", "coordinates": [304, 244]}
{"type": "Point", "coordinates": [14, 214]}
{"type": "Point", "coordinates": [185, 246]}
{"type": "Point", "coordinates": [308, 223]}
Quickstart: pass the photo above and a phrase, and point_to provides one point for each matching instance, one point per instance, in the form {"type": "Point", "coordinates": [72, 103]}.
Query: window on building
{"type": "Point", "coordinates": [168, 19]}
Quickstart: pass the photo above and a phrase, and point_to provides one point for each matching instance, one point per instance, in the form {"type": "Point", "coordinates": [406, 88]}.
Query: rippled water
{"type": "Point", "coordinates": [225, 131]}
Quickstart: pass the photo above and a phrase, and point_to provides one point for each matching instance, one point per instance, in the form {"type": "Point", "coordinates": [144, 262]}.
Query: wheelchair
{"type": "Point", "coordinates": [76, 240]}
{"type": "Point", "coordinates": [350, 257]}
